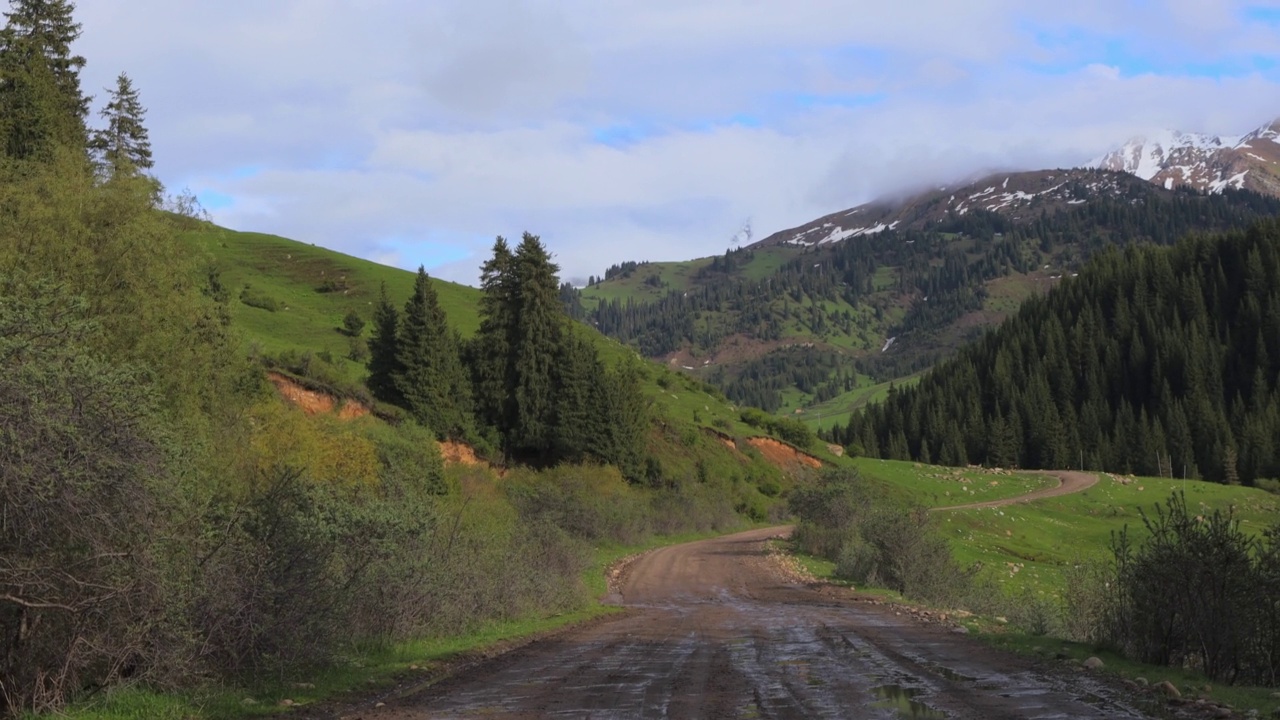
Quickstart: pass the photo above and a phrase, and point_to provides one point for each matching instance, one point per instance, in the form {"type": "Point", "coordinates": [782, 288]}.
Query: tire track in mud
{"type": "Point", "coordinates": [713, 632]}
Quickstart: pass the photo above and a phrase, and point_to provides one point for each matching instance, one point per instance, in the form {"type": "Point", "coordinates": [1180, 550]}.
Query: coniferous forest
{"type": "Point", "coordinates": [1156, 361]}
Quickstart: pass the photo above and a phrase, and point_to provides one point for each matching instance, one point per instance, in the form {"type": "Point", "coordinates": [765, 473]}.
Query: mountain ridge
{"type": "Point", "coordinates": [1208, 163]}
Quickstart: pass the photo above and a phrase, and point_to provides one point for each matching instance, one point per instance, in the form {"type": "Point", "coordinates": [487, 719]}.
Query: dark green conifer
{"type": "Point", "coordinates": [384, 350]}
{"type": "Point", "coordinates": [535, 344]}
{"type": "Point", "coordinates": [123, 147]}
{"type": "Point", "coordinates": [40, 97]}
{"type": "Point", "coordinates": [431, 378]}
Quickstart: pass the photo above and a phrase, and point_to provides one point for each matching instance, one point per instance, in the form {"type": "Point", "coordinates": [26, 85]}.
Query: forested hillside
{"type": "Point", "coordinates": [889, 303]}
{"type": "Point", "coordinates": [170, 523]}
{"type": "Point", "coordinates": [1156, 361]}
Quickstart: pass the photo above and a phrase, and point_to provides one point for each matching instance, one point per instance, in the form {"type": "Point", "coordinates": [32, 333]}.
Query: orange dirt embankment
{"type": "Point", "coordinates": [456, 453]}
{"type": "Point", "coordinates": [782, 454]}
{"type": "Point", "coordinates": [314, 402]}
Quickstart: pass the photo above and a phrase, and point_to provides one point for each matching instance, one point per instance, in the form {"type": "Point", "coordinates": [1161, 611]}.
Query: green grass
{"type": "Point", "coordinates": [1027, 547]}
{"type": "Point", "coordinates": [935, 486]}
{"type": "Point", "coordinates": [838, 409]}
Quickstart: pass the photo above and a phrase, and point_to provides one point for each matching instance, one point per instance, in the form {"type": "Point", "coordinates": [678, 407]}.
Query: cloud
{"type": "Point", "coordinates": [414, 132]}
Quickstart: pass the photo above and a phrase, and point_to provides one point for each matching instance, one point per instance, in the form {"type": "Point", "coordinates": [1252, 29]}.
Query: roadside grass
{"type": "Point", "coordinates": [1190, 683]}
{"type": "Point", "coordinates": [1045, 648]}
{"type": "Point", "coordinates": [366, 669]}
{"type": "Point", "coordinates": [1025, 550]}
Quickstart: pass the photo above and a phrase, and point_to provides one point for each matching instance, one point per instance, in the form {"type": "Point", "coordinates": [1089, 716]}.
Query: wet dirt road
{"type": "Point", "coordinates": [714, 630]}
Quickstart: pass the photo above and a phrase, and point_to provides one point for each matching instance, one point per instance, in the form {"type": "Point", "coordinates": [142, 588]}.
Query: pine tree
{"type": "Point", "coordinates": [431, 378]}
{"type": "Point", "coordinates": [384, 350]}
{"type": "Point", "coordinates": [123, 147]}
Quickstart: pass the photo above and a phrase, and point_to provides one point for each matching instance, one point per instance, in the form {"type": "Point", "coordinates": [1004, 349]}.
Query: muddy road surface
{"type": "Point", "coordinates": [714, 629]}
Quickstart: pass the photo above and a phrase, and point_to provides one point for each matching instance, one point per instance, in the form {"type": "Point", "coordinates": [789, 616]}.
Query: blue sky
{"type": "Point", "coordinates": [412, 131]}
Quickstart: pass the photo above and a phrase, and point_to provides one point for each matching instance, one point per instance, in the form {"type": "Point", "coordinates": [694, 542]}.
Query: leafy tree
{"type": "Point", "coordinates": [123, 147]}
{"type": "Point", "coordinates": [431, 378]}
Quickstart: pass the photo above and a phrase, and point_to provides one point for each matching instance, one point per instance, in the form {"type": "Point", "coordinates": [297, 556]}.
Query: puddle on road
{"type": "Point", "coordinates": [949, 674]}
{"type": "Point", "coordinates": [902, 700]}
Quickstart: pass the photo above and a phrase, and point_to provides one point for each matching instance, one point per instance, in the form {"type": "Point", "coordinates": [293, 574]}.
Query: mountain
{"type": "Point", "coordinates": [819, 318]}
{"type": "Point", "coordinates": [1016, 196]}
{"type": "Point", "coordinates": [1207, 163]}
{"type": "Point", "coordinates": [1155, 361]}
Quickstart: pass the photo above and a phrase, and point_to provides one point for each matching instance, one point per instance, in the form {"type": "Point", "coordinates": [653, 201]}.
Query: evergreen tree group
{"type": "Point", "coordinates": [530, 380]}
{"type": "Point", "coordinates": [1156, 361]}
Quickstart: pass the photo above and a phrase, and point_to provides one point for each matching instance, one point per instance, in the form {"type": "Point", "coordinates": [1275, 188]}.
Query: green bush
{"type": "Point", "coordinates": [1199, 592]}
{"type": "Point", "coordinates": [257, 299]}
{"type": "Point", "coordinates": [874, 541]}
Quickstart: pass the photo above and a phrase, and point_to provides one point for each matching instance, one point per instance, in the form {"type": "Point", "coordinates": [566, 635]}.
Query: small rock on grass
{"type": "Point", "coordinates": [1169, 689]}
{"type": "Point", "coordinates": [1142, 682]}
{"type": "Point", "coordinates": [1093, 663]}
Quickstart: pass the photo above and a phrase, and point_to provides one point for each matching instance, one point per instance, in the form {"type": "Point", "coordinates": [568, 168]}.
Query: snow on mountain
{"type": "Point", "coordinates": [1020, 195]}
{"type": "Point", "coordinates": [1209, 163]}
{"type": "Point", "coordinates": [1168, 159]}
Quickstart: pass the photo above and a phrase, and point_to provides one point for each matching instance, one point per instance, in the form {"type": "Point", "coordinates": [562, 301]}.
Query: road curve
{"type": "Point", "coordinates": [1069, 481]}
{"type": "Point", "coordinates": [714, 630]}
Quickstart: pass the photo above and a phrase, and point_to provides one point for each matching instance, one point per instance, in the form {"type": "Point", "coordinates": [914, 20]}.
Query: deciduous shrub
{"type": "Point", "coordinates": [873, 540]}
{"type": "Point", "coordinates": [1199, 592]}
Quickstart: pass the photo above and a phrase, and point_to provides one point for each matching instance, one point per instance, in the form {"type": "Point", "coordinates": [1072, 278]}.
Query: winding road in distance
{"type": "Point", "coordinates": [715, 630]}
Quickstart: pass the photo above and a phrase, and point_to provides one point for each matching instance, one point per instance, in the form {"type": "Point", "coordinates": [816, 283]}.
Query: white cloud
{"type": "Point", "coordinates": [414, 132]}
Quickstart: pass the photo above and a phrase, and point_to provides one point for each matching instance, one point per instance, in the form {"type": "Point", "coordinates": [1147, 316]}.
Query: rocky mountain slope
{"type": "Point", "coordinates": [1017, 196]}
{"type": "Point", "coordinates": [1208, 163]}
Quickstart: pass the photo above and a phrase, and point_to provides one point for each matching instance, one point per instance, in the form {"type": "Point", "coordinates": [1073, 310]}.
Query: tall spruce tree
{"type": "Point", "coordinates": [579, 419]}
{"type": "Point", "coordinates": [384, 350]}
{"type": "Point", "coordinates": [123, 147]}
{"type": "Point", "coordinates": [535, 345]}
{"type": "Point", "coordinates": [40, 96]}
{"type": "Point", "coordinates": [488, 354]}
{"type": "Point", "coordinates": [431, 378]}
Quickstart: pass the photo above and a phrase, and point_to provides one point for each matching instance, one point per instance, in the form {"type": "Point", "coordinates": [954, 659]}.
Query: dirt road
{"type": "Point", "coordinates": [714, 630]}
{"type": "Point", "coordinates": [1069, 482]}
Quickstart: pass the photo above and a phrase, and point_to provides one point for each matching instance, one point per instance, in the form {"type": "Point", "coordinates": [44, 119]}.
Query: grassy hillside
{"type": "Point", "coordinates": [312, 289]}
{"type": "Point", "coordinates": [308, 313]}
